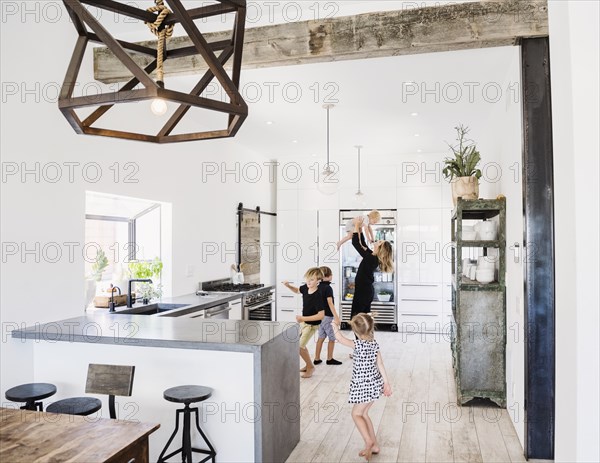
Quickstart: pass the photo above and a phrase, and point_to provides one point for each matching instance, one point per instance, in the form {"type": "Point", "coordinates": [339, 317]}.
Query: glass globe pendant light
{"type": "Point", "coordinates": [328, 182]}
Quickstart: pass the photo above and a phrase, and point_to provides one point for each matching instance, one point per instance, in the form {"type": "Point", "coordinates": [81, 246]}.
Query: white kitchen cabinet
{"type": "Point", "coordinates": [446, 246]}
{"type": "Point", "coordinates": [287, 200]}
{"type": "Point", "coordinates": [408, 245]}
{"type": "Point", "coordinates": [430, 245]}
{"type": "Point", "coordinates": [288, 248]}
{"type": "Point", "coordinates": [236, 310]}
{"type": "Point", "coordinates": [288, 304]}
{"type": "Point", "coordinates": [420, 251]}
{"type": "Point", "coordinates": [420, 269]}
{"type": "Point", "coordinates": [307, 240]}
{"type": "Point", "coordinates": [328, 235]}
{"type": "Point", "coordinates": [418, 197]}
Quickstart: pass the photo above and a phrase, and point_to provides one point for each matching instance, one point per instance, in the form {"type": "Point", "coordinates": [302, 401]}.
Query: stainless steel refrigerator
{"type": "Point", "coordinates": [384, 304]}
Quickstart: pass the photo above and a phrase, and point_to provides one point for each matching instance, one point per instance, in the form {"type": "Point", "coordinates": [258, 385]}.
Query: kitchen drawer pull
{"type": "Point", "coordinates": [219, 312]}
{"type": "Point", "coordinates": [287, 297]}
{"type": "Point", "coordinates": [419, 315]}
{"type": "Point", "coordinates": [420, 300]}
{"type": "Point", "coordinates": [287, 310]}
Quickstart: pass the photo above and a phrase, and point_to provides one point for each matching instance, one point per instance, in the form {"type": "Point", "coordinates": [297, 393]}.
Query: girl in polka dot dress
{"type": "Point", "coordinates": [369, 379]}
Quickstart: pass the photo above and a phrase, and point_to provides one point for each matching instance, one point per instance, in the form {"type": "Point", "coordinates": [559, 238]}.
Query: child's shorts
{"type": "Point", "coordinates": [326, 329]}
{"type": "Point", "coordinates": [306, 332]}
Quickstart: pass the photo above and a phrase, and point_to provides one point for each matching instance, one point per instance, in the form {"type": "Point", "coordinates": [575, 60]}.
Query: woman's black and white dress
{"type": "Point", "coordinates": [367, 383]}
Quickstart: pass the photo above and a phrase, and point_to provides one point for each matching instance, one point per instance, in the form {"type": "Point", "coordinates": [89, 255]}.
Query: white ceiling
{"type": "Point", "coordinates": [373, 104]}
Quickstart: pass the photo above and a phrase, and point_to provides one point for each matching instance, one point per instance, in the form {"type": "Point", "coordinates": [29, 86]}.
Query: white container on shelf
{"type": "Point", "coordinates": [487, 262]}
{"type": "Point", "coordinates": [486, 230]}
{"type": "Point", "coordinates": [485, 275]}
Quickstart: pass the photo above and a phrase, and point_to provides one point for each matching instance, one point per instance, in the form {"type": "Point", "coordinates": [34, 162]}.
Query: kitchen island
{"type": "Point", "coordinates": [254, 412]}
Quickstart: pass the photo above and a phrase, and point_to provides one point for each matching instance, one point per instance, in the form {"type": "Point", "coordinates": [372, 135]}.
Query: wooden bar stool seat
{"type": "Point", "coordinates": [101, 379]}
{"type": "Point", "coordinates": [31, 393]}
{"type": "Point", "coordinates": [187, 395]}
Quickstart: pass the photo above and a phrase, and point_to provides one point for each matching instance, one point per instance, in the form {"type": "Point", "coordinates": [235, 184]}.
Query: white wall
{"type": "Point", "coordinates": [510, 184]}
{"type": "Point", "coordinates": [574, 66]}
{"type": "Point", "coordinates": [39, 287]}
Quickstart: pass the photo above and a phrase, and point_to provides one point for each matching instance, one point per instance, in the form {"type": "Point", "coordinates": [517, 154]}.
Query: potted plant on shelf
{"type": "Point", "coordinates": [384, 296]}
{"type": "Point", "coordinates": [93, 278]}
{"type": "Point", "coordinates": [462, 169]}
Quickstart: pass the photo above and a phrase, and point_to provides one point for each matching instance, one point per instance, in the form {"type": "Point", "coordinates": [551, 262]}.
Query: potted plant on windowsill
{"type": "Point", "coordinates": [462, 169]}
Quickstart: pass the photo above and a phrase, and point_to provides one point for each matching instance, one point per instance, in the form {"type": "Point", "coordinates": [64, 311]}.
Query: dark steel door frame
{"type": "Point", "coordinates": [539, 263]}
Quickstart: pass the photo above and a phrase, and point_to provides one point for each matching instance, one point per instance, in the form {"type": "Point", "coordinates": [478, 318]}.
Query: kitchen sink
{"type": "Point", "coordinates": [152, 309]}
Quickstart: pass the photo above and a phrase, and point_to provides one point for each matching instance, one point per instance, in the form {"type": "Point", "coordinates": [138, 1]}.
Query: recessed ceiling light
{"type": "Point", "coordinates": [417, 135]}
{"type": "Point", "coordinates": [314, 155]}
{"type": "Point", "coordinates": [294, 141]}
{"type": "Point", "coordinates": [269, 122]}
{"type": "Point", "coordinates": [419, 151]}
{"type": "Point", "coordinates": [414, 114]}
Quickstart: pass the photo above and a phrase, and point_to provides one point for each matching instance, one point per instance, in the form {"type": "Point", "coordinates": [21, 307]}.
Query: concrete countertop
{"type": "Point", "coordinates": [193, 303]}
{"type": "Point", "coordinates": [169, 332]}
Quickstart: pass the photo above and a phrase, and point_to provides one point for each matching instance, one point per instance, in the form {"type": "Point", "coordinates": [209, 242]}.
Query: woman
{"type": "Point", "coordinates": [381, 256]}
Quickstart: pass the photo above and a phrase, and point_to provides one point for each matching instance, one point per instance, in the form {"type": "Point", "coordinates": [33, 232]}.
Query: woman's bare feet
{"type": "Point", "coordinates": [302, 370]}
{"type": "Point", "coordinates": [308, 373]}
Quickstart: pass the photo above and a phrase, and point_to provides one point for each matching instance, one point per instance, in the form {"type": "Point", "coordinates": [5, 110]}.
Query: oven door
{"type": "Point", "coordinates": [262, 311]}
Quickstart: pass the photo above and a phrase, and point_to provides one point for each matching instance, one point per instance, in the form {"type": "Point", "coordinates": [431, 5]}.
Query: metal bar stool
{"type": "Point", "coordinates": [101, 379]}
{"type": "Point", "coordinates": [187, 395]}
{"type": "Point", "coordinates": [30, 393]}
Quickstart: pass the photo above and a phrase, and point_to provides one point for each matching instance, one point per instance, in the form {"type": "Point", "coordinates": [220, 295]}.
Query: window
{"type": "Point", "coordinates": [124, 228]}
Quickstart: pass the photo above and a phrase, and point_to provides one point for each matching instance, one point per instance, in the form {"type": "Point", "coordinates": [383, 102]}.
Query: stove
{"type": "Point", "coordinates": [221, 287]}
{"type": "Point", "coordinates": [257, 300]}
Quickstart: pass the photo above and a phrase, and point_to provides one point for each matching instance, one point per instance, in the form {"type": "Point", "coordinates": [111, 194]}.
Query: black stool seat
{"type": "Point", "coordinates": [187, 394]}
{"type": "Point", "coordinates": [29, 393]}
{"type": "Point", "coordinates": [82, 406]}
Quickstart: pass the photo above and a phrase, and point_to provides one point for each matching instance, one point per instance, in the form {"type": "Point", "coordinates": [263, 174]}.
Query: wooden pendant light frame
{"type": "Point", "coordinates": [236, 108]}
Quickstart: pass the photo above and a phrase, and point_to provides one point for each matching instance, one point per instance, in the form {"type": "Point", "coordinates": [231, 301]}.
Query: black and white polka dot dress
{"type": "Point", "coordinates": [367, 383]}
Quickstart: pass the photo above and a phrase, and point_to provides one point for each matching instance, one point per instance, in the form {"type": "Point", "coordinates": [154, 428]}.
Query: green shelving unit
{"type": "Point", "coordinates": [478, 334]}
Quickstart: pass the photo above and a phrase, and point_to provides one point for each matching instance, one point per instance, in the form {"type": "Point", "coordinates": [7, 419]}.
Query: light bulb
{"type": "Point", "coordinates": [359, 198]}
{"type": "Point", "coordinates": [328, 183]}
{"type": "Point", "coordinates": [158, 106]}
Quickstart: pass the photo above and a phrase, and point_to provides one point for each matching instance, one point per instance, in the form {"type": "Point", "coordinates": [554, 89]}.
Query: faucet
{"type": "Point", "coordinates": [111, 304]}
{"type": "Point", "coordinates": [141, 280]}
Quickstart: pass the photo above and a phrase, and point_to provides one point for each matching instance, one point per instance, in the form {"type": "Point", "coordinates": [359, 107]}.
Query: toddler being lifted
{"type": "Point", "coordinates": [365, 223]}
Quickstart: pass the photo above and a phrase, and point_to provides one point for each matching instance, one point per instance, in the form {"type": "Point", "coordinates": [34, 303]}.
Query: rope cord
{"type": "Point", "coordinates": [162, 34]}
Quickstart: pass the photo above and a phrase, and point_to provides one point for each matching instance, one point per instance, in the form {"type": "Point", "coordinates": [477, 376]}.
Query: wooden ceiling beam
{"type": "Point", "coordinates": [370, 35]}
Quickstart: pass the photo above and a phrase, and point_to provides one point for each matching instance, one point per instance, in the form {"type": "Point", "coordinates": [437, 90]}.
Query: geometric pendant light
{"type": "Point", "coordinates": [142, 87]}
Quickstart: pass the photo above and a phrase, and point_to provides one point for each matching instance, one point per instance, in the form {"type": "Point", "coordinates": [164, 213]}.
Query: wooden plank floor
{"type": "Point", "coordinates": [420, 422]}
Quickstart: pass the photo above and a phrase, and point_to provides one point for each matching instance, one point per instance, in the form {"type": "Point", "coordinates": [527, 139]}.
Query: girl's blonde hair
{"type": "Point", "coordinates": [313, 272]}
{"type": "Point", "coordinates": [385, 255]}
{"type": "Point", "coordinates": [375, 215]}
{"type": "Point", "coordinates": [363, 325]}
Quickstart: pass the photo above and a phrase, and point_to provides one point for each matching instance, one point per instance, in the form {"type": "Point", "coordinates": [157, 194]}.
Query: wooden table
{"type": "Point", "coordinates": [28, 436]}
